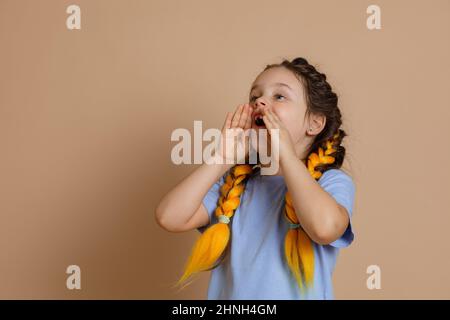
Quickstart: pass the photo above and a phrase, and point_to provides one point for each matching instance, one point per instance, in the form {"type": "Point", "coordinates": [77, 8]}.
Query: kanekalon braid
{"type": "Point", "coordinates": [231, 191]}
{"type": "Point", "coordinates": [298, 247]}
{"type": "Point", "coordinates": [323, 157]}
{"type": "Point", "coordinates": [299, 250]}
{"type": "Point", "coordinates": [213, 242]}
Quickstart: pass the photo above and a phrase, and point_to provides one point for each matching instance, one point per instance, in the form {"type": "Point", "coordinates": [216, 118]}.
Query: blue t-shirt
{"type": "Point", "coordinates": [255, 266]}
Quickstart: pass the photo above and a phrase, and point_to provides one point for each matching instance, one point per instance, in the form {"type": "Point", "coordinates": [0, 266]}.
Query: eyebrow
{"type": "Point", "coordinates": [280, 84]}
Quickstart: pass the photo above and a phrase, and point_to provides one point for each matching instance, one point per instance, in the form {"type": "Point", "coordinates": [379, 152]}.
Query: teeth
{"type": "Point", "coordinates": [259, 120]}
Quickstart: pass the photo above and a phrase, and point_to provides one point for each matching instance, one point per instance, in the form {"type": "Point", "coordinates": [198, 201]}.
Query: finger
{"type": "Point", "coordinates": [268, 119]}
{"type": "Point", "coordinates": [248, 111]}
{"type": "Point", "coordinates": [269, 124]}
{"type": "Point", "coordinates": [269, 114]}
{"type": "Point", "coordinates": [244, 116]}
{"type": "Point", "coordinates": [271, 129]}
{"type": "Point", "coordinates": [237, 116]}
{"type": "Point", "coordinates": [248, 124]}
{"type": "Point", "coordinates": [274, 116]}
{"type": "Point", "coordinates": [227, 124]}
{"type": "Point", "coordinates": [274, 119]}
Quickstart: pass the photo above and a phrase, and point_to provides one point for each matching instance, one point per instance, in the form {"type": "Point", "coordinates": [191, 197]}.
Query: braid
{"type": "Point", "coordinates": [320, 99]}
{"type": "Point", "coordinates": [298, 247]}
{"type": "Point", "coordinates": [212, 243]}
{"type": "Point", "coordinates": [210, 248]}
{"type": "Point", "coordinates": [323, 158]}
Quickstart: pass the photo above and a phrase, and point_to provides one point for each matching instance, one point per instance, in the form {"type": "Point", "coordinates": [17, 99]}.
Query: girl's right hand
{"type": "Point", "coordinates": [234, 137]}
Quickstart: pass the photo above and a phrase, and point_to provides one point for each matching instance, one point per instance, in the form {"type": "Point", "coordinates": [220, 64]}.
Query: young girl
{"type": "Point", "coordinates": [272, 236]}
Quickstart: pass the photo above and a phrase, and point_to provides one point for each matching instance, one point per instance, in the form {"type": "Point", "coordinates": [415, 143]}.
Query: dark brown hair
{"type": "Point", "coordinates": [320, 99]}
{"type": "Point", "coordinates": [211, 248]}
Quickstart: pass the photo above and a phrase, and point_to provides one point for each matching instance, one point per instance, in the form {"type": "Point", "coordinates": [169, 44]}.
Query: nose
{"type": "Point", "coordinates": [260, 103]}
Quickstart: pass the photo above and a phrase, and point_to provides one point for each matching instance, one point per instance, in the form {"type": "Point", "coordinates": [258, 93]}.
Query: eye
{"type": "Point", "coordinates": [278, 96]}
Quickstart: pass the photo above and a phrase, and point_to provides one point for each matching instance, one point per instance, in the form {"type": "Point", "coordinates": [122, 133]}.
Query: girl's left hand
{"type": "Point", "coordinates": [286, 147]}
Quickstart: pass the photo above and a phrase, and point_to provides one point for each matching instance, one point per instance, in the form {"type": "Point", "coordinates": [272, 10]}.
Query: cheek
{"type": "Point", "coordinates": [292, 121]}
{"type": "Point", "coordinates": [284, 113]}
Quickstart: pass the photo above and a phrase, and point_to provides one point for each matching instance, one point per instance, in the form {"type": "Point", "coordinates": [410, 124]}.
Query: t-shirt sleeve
{"type": "Point", "coordinates": [210, 202]}
{"type": "Point", "coordinates": [341, 187]}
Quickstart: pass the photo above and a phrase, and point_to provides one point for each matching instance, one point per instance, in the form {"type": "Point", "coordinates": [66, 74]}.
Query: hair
{"type": "Point", "coordinates": [324, 153]}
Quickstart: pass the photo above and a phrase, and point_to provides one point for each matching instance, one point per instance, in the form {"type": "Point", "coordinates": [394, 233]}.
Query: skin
{"type": "Point", "coordinates": [284, 108]}
{"type": "Point", "coordinates": [322, 218]}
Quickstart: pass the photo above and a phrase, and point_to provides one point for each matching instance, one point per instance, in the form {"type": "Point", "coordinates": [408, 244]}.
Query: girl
{"type": "Point", "coordinates": [272, 236]}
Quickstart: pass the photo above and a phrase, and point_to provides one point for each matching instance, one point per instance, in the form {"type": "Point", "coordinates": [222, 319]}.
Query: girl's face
{"type": "Point", "coordinates": [279, 90]}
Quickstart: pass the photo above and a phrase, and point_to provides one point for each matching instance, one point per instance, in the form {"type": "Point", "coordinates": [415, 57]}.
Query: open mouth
{"type": "Point", "coordinates": [259, 121]}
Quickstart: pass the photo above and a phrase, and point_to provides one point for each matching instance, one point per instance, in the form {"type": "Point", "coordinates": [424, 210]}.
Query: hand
{"type": "Point", "coordinates": [234, 137]}
{"type": "Point", "coordinates": [285, 146]}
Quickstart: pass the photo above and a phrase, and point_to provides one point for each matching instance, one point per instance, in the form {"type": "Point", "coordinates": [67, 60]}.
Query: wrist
{"type": "Point", "coordinates": [287, 158]}
{"type": "Point", "coordinates": [219, 163]}
{"type": "Point", "coordinates": [291, 160]}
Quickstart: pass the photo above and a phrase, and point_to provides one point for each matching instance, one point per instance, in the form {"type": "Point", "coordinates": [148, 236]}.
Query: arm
{"type": "Point", "coordinates": [184, 201]}
{"type": "Point", "coordinates": [181, 209]}
{"type": "Point", "coordinates": [322, 218]}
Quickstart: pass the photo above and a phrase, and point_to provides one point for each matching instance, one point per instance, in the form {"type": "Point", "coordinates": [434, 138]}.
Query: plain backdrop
{"type": "Point", "coordinates": [86, 117]}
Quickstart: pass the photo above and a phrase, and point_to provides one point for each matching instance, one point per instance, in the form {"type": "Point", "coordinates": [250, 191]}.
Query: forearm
{"type": "Point", "coordinates": [181, 202]}
{"type": "Point", "coordinates": [318, 212]}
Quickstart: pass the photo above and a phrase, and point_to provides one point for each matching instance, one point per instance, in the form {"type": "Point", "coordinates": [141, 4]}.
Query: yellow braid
{"type": "Point", "coordinates": [299, 250]}
{"type": "Point", "coordinates": [298, 247]}
{"type": "Point", "coordinates": [213, 242]}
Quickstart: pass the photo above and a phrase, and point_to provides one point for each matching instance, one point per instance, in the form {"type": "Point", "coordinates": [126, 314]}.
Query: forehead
{"type": "Point", "coordinates": [272, 76]}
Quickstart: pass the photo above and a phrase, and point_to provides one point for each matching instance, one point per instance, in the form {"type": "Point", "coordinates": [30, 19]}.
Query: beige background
{"type": "Point", "coordinates": [86, 118]}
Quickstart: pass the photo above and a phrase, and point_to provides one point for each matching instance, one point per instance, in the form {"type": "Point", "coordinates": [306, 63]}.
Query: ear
{"type": "Point", "coordinates": [316, 124]}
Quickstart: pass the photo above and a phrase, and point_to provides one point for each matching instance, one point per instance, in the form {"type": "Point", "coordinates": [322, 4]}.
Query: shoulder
{"type": "Point", "coordinates": [336, 176]}
{"type": "Point", "coordinates": [339, 185]}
